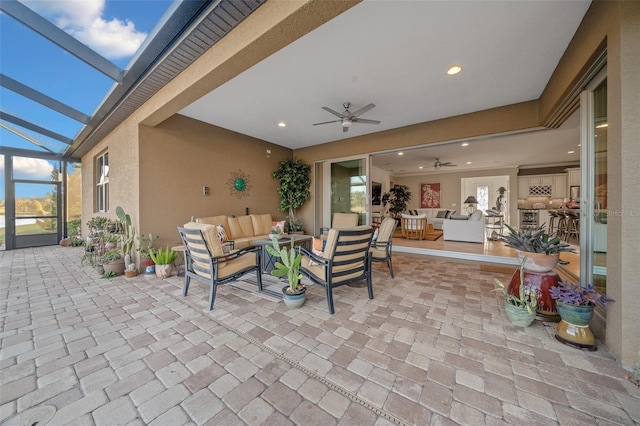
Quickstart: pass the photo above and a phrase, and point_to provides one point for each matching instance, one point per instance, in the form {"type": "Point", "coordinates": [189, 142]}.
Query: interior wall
{"type": "Point", "coordinates": [182, 155]}
{"type": "Point", "coordinates": [450, 190]}
{"type": "Point", "coordinates": [383, 178]}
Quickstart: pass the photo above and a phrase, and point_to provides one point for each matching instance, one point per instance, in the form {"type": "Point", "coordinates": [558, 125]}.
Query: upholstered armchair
{"type": "Point", "coordinates": [414, 227]}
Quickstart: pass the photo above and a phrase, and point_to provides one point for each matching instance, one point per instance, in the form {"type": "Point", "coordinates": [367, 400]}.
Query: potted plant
{"type": "Point", "coordinates": [542, 250]}
{"type": "Point", "coordinates": [112, 261]}
{"type": "Point", "coordinates": [110, 241]}
{"type": "Point", "coordinates": [130, 269]}
{"type": "Point", "coordinates": [276, 232]}
{"type": "Point", "coordinates": [145, 245]}
{"type": "Point", "coordinates": [295, 180]}
{"type": "Point", "coordinates": [164, 261]}
{"type": "Point", "coordinates": [575, 305]}
{"type": "Point", "coordinates": [397, 198]}
{"type": "Point", "coordinates": [521, 308]}
{"type": "Point", "coordinates": [128, 231]}
{"type": "Point", "coordinates": [294, 293]}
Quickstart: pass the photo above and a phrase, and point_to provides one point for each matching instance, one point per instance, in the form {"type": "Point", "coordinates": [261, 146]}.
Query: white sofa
{"type": "Point", "coordinates": [470, 230]}
{"type": "Point", "coordinates": [431, 216]}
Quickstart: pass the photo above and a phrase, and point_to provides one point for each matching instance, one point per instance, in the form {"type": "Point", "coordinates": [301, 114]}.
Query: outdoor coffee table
{"type": "Point", "coordinates": [269, 261]}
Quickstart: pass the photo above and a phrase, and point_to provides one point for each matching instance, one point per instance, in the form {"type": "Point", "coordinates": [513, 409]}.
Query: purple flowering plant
{"type": "Point", "coordinates": [573, 294]}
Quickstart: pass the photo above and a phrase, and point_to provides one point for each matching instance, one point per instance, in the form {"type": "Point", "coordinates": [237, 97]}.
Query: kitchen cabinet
{"type": "Point", "coordinates": [523, 187]}
{"type": "Point", "coordinates": [559, 188]}
{"type": "Point", "coordinates": [573, 177]}
{"type": "Point", "coordinates": [540, 180]}
{"type": "Point", "coordinates": [543, 218]}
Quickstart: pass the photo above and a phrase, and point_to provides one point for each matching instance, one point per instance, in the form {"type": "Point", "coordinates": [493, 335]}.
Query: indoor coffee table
{"type": "Point", "coordinates": [269, 261]}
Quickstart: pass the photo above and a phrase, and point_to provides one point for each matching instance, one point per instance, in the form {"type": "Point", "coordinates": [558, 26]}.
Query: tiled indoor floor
{"type": "Point", "coordinates": [433, 347]}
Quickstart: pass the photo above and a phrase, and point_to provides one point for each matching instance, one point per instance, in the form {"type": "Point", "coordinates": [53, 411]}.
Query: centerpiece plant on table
{"type": "Point", "coordinates": [289, 267]}
{"type": "Point", "coordinates": [521, 308]}
{"type": "Point", "coordinates": [542, 249]}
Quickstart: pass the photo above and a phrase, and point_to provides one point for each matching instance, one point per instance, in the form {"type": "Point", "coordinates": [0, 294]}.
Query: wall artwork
{"type": "Point", "coordinates": [376, 193]}
{"type": "Point", "coordinates": [430, 195]}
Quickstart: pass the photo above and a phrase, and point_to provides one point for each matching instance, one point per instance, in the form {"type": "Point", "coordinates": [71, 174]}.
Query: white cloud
{"type": "Point", "coordinates": [31, 168]}
{"type": "Point", "coordinates": [83, 19]}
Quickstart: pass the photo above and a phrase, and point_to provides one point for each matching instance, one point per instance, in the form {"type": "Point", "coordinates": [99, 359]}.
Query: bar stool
{"type": "Point", "coordinates": [561, 230]}
{"type": "Point", "coordinates": [553, 225]}
{"type": "Point", "coordinates": [573, 226]}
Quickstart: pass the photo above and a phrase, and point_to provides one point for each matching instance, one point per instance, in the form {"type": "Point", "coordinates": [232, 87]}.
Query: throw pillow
{"type": "Point", "coordinates": [454, 217]}
{"type": "Point", "coordinates": [222, 234]}
{"type": "Point", "coordinates": [279, 224]}
{"type": "Point", "coordinates": [441, 214]}
{"type": "Point", "coordinates": [477, 215]}
{"type": "Point", "coordinates": [450, 213]}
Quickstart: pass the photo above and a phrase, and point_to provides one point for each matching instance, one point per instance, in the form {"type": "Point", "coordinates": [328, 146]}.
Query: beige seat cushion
{"type": "Point", "coordinates": [344, 220]}
{"type": "Point", "coordinates": [215, 220]}
{"type": "Point", "coordinates": [210, 233]}
{"type": "Point", "coordinates": [241, 227]}
{"type": "Point", "coordinates": [261, 223]}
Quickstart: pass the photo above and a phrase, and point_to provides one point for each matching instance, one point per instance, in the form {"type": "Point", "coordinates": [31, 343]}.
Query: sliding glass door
{"type": "Point", "coordinates": [594, 200]}
{"type": "Point", "coordinates": [344, 188]}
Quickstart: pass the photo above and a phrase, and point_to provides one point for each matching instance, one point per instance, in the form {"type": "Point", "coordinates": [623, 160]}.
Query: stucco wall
{"type": "Point", "coordinates": [182, 155]}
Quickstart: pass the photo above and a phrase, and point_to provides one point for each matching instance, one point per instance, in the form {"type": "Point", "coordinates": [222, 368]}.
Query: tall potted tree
{"type": "Point", "coordinates": [397, 198]}
{"type": "Point", "coordinates": [295, 180]}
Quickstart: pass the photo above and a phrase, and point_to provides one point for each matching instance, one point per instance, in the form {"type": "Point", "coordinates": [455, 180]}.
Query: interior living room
{"type": "Point", "coordinates": [528, 107]}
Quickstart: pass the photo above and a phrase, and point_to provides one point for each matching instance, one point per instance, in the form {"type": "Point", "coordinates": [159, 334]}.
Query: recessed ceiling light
{"type": "Point", "coordinates": [468, 162]}
{"type": "Point", "coordinates": [571, 152]}
{"type": "Point", "coordinates": [454, 69]}
{"type": "Point", "coordinates": [282, 124]}
{"type": "Point", "coordinates": [465, 144]}
{"type": "Point", "coordinates": [401, 153]}
{"type": "Point", "coordinates": [421, 167]}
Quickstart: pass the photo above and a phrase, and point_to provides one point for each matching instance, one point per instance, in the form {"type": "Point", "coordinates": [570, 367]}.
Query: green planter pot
{"type": "Point", "coordinates": [518, 316]}
{"type": "Point", "coordinates": [293, 301]}
{"type": "Point", "coordinates": [573, 329]}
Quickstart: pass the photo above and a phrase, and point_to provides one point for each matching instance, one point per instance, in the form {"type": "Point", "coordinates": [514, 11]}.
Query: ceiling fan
{"type": "Point", "coordinates": [347, 117]}
{"type": "Point", "coordinates": [439, 164]}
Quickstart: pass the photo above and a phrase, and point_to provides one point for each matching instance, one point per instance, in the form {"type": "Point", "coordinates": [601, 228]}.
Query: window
{"type": "Point", "coordinates": [482, 195]}
{"type": "Point", "coordinates": [102, 183]}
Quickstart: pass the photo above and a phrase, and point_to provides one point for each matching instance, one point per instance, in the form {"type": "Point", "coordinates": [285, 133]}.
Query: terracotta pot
{"type": "Point", "coordinates": [146, 261]}
{"type": "Point", "coordinates": [130, 274]}
{"type": "Point", "coordinates": [538, 262]}
{"type": "Point", "coordinates": [115, 266]}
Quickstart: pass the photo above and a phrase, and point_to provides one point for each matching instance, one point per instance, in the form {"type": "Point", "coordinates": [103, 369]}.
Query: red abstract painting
{"type": "Point", "coordinates": [430, 195]}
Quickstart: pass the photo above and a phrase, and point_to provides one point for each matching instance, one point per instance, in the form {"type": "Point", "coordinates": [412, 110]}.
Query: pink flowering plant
{"type": "Point", "coordinates": [573, 294]}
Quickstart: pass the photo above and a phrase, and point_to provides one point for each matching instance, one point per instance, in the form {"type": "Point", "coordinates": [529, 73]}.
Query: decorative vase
{"type": "Point", "coordinates": [99, 269]}
{"type": "Point", "coordinates": [164, 271]}
{"type": "Point", "coordinates": [538, 262]}
{"type": "Point", "coordinates": [573, 329]}
{"type": "Point", "coordinates": [146, 261]}
{"type": "Point", "coordinates": [115, 266]}
{"type": "Point", "coordinates": [540, 283]}
{"type": "Point", "coordinates": [150, 269]}
{"type": "Point", "coordinates": [296, 300]}
{"type": "Point", "coordinates": [276, 236]}
{"type": "Point", "coordinates": [519, 316]}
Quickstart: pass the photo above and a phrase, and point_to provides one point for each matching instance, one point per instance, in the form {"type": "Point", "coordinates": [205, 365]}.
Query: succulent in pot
{"type": "Point", "coordinates": [543, 250]}
{"type": "Point", "coordinates": [521, 308]}
{"type": "Point", "coordinates": [112, 261]}
{"type": "Point", "coordinates": [289, 267]}
{"type": "Point", "coordinates": [164, 261]}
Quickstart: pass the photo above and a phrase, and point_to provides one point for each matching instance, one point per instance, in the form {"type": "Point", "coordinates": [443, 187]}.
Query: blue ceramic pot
{"type": "Point", "coordinates": [575, 314]}
{"type": "Point", "coordinates": [293, 300]}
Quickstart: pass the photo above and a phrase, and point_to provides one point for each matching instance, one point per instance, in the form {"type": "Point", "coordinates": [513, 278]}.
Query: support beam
{"type": "Point", "coordinates": [23, 136]}
{"type": "Point", "coordinates": [34, 127]}
{"type": "Point", "coordinates": [37, 23]}
{"type": "Point", "coordinates": [42, 99]}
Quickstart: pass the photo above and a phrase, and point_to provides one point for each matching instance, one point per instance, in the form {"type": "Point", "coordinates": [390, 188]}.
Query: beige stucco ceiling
{"type": "Point", "coordinates": [395, 54]}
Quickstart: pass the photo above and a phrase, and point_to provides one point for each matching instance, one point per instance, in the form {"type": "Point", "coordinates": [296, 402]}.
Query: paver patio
{"type": "Point", "coordinates": [433, 347]}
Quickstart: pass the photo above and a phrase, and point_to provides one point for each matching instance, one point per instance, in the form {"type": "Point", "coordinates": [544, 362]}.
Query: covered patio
{"type": "Point", "coordinates": [433, 347]}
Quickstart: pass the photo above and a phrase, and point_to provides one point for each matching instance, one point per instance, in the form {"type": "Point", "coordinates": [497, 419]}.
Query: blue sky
{"type": "Point", "coordinates": [113, 28]}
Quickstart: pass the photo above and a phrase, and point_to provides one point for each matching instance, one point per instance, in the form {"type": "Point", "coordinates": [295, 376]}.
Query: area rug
{"type": "Point", "coordinates": [434, 235]}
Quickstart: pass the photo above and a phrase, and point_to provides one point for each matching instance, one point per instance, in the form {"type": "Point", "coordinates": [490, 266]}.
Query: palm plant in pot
{"type": "Point", "coordinates": [521, 308]}
{"type": "Point", "coordinates": [164, 261]}
{"type": "Point", "coordinates": [575, 305]}
{"type": "Point", "coordinates": [289, 266]}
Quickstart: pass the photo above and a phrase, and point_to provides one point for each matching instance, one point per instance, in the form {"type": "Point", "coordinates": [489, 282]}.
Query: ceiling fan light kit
{"type": "Point", "coordinates": [347, 118]}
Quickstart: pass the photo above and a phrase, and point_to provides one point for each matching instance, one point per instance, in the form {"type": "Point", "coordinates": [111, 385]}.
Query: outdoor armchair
{"type": "Point", "coordinates": [345, 259]}
{"type": "Point", "coordinates": [342, 221]}
{"type": "Point", "coordinates": [206, 261]}
{"type": "Point", "coordinates": [381, 246]}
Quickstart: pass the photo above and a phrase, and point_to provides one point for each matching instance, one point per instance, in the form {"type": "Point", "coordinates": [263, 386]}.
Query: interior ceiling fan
{"type": "Point", "coordinates": [347, 117]}
{"type": "Point", "coordinates": [439, 164]}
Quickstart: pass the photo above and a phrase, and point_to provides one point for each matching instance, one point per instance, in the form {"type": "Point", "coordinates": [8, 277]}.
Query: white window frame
{"type": "Point", "coordinates": [102, 182]}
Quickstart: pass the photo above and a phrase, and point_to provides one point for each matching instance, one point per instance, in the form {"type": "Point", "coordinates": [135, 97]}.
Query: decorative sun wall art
{"type": "Point", "coordinates": [239, 184]}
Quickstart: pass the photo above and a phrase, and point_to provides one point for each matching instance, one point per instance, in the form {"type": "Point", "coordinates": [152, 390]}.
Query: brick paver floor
{"type": "Point", "coordinates": [433, 347]}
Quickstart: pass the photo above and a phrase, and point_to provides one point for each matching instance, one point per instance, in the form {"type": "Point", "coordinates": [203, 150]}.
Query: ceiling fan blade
{"type": "Point", "coordinates": [337, 114]}
{"type": "Point", "coordinates": [362, 110]}
{"type": "Point", "coordinates": [365, 121]}
{"type": "Point", "coordinates": [449, 164]}
{"type": "Point", "coordinates": [327, 122]}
